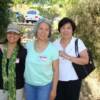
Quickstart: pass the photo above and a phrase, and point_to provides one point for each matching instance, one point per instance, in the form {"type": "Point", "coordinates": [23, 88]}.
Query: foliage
{"type": "Point", "coordinates": [4, 16]}
{"type": "Point", "coordinates": [87, 17]}
{"type": "Point", "coordinates": [85, 13]}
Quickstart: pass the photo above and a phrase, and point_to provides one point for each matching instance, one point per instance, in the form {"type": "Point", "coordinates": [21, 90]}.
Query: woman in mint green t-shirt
{"type": "Point", "coordinates": [41, 70]}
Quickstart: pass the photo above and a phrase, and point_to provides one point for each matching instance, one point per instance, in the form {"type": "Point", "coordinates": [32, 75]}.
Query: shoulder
{"type": "Point", "coordinates": [81, 46]}
{"type": "Point", "coordinates": [28, 44]}
{"type": "Point", "coordinates": [22, 51]}
{"type": "Point", "coordinates": [80, 41]}
{"type": "Point", "coordinates": [53, 47]}
{"type": "Point", "coordinates": [53, 51]}
{"type": "Point", "coordinates": [1, 47]}
{"type": "Point", "coordinates": [57, 41]}
{"type": "Point", "coordinates": [22, 48]}
{"type": "Point", "coordinates": [0, 51]}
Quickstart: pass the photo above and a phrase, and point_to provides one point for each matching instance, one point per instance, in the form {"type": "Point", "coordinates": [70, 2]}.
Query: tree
{"type": "Point", "coordinates": [4, 16]}
{"type": "Point", "coordinates": [86, 14]}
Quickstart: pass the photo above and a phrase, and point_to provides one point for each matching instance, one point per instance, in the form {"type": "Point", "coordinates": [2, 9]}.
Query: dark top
{"type": "Point", "coordinates": [19, 70]}
{"type": "Point", "coordinates": [7, 66]}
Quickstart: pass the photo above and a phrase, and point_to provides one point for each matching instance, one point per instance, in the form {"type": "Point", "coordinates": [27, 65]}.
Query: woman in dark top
{"type": "Point", "coordinates": [12, 64]}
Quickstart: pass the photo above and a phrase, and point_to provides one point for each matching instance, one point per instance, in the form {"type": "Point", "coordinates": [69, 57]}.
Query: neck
{"type": "Point", "coordinates": [66, 40]}
{"type": "Point", "coordinates": [40, 46]}
{"type": "Point", "coordinates": [10, 49]}
{"type": "Point", "coordinates": [12, 45]}
{"type": "Point", "coordinates": [42, 42]}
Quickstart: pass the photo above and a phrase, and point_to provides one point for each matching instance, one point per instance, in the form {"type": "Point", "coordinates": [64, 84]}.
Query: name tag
{"type": "Point", "coordinates": [43, 58]}
{"type": "Point", "coordinates": [17, 60]}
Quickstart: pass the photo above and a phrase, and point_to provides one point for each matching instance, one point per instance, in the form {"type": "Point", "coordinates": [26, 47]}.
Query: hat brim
{"type": "Point", "coordinates": [13, 30]}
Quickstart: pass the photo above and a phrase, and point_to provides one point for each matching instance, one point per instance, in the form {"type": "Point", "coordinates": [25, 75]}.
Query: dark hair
{"type": "Point", "coordinates": [64, 21]}
{"type": "Point", "coordinates": [18, 42]}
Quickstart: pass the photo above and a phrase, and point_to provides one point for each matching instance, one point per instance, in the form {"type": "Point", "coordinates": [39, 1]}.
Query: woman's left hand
{"type": "Point", "coordinates": [64, 55]}
{"type": "Point", "coordinates": [53, 95]}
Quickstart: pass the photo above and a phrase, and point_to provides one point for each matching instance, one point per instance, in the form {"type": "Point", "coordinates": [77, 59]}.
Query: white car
{"type": "Point", "coordinates": [32, 16]}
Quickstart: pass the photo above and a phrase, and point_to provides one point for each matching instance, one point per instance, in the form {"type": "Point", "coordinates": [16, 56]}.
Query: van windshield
{"type": "Point", "coordinates": [32, 12]}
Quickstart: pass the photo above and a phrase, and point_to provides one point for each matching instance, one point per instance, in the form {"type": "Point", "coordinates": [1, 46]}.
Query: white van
{"type": "Point", "coordinates": [32, 16]}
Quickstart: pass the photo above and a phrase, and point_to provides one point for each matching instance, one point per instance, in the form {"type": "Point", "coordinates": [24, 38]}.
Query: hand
{"type": "Point", "coordinates": [64, 55]}
{"type": "Point", "coordinates": [53, 95]}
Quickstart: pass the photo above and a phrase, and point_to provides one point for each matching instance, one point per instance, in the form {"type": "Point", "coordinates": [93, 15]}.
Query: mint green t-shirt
{"type": "Point", "coordinates": [38, 66]}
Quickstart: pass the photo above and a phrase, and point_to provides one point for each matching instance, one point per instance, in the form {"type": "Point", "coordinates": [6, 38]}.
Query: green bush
{"type": "Point", "coordinates": [86, 14]}
{"type": "Point", "coordinates": [4, 16]}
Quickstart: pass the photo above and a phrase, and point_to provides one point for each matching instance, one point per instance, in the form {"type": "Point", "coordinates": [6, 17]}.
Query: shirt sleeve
{"type": "Point", "coordinates": [81, 46]}
{"type": "Point", "coordinates": [55, 53]}
{"type": "Point", "coordinates": [55, 43]}
{"type": "Point", "coordinates": [26, 45]}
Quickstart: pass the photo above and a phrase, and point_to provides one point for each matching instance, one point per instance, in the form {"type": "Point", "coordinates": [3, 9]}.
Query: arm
{"type": "Point", "coordinates": [55, 79]}
{"type": "Point", "coordinates": [83, 59]}
{"type": "Point", "coordinates": [22, 57]}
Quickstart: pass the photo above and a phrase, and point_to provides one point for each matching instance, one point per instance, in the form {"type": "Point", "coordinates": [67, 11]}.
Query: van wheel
{"type": "Point", "coordinates": [32, 22]}
{"type": "Point", "coordinates": [27, 21]}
